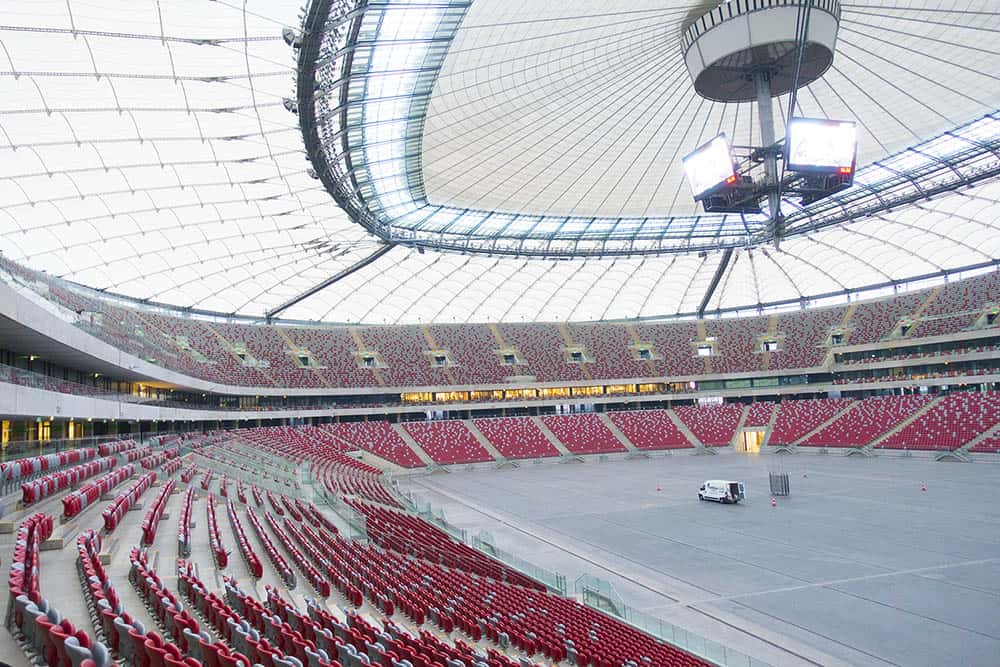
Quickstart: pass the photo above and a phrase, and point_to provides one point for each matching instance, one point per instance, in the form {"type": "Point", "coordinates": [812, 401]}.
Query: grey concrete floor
{"type": "Point", "coordinates": [857, 566]}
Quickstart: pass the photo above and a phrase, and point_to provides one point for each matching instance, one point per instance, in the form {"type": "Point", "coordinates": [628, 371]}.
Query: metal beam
{"type": "Point", "coordinates": [719, 271]}
{"type": "Point", "coordinates": [319, 287]}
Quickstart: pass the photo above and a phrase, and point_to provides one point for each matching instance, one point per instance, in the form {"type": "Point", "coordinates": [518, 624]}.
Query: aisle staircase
{"type": "Point", "coordinates": [484, 441]}
{"type": "Point", "coordinates": [626, 443]}
{"type": "Point", "coordinates": [870, 447]}
{"type": "Point", "coordinates": [412, 444]}
{"type": "Point", "coordinates": [565, 453]}
{"type": "Point", "coordinates": [699, 448]}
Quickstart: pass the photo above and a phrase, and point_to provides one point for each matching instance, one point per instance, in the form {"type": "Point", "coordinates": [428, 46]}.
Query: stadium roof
{"type": "Point", "coordinates": [151, 153]}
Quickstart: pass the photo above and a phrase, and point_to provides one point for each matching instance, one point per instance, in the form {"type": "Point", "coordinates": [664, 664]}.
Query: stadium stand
{"type": "Point", "coordinates": [955, 420]}
{"type": "Point", "coordinates": [379, 438]}
{"type": "Point", "coordinates": [797, 418]}
{"type": "Point", "coordinates": [759, 414]}
{"type": "Point", "coordinates": [867, 420]}
{"type": "Point", "coordinates": [516, 437]}
{"type": "Point", "coordinates": [583, 433]}
{"type": "Point", "coordinates": [713, 425]}
{"type": "Point", "coordinates": [447, 442]}
{"type": "Point", "coordinates": [650, 429]}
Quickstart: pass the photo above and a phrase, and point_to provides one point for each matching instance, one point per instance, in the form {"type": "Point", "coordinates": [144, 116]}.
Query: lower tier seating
{"type": "Point", "coordinates": [952, 422]}
{"type": "Point", "coordinates": [650, 429]}
{"type": "Point", "coordinates": [516, 437]}
{"type": "Point", "coordinates": [583, 433]}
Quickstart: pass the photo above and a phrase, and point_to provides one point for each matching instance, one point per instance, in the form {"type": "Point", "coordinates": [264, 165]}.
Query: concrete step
{"type": "Point", "coordinates": [417, 449]}
{"type": "Point", "coordinates": [617, 432]}
{"type": "Point", "coordinates": [482, 440]}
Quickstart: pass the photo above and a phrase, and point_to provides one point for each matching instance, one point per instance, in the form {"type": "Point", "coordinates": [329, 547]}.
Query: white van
{"type": "Point", "coordinates": [722, 491]}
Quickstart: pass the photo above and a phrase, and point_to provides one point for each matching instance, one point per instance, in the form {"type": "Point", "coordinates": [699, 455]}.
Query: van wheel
{"type": "Point", "coordinates": [701, 497]}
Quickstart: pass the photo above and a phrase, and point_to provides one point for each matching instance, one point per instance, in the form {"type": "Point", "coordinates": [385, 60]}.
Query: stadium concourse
{"type": "Point", "coordinates": [414, 334]}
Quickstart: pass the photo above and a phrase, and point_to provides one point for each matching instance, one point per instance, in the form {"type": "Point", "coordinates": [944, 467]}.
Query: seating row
{"type": "Point", "coordinates": [246, 550]}
{"type": "Point", "coordinates": [109, 448]}
{"type": "Point", "coordinates": [75, 502]}
{"type": "Point", "coordinates": [184, 525]}
{"type": "Point", "coordinates": [239, 643]}
{"type": "Point", "coordinates": [43, 487]}
{"type": "Point", "coordinates": [114, 512]}
{"type": "Point", "coordinates": [219, 553]}
{"type": "Point", "coordinates": [43, 631]}
{"type": "Point", "coordinates": [277, 560]}
{"type": "Point", "coordinates": [133, 455]}
{"type": "Point", "coordinates": [156, 460]}
{"type": "Point", "coordinates": [152, 520]}
{"type": "Point", "coordinates": [13, 473]}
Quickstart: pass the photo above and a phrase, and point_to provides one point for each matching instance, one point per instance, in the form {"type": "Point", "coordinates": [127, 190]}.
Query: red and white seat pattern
{"type": "Point", "coordinates": [650, 429]}
{"type": "Point", "coordinates": [14, 473]}
{"type": "Point", "coordinates": [583, 433]}
{"type": "Point", "coordinates": [277, 560]}
{"type": "Point", "coordinates": [796, 418]}
{"type": "Point", "coordinates": [713, 425]}
{"type": "Point", "coordinates": [990, 444]}
{"type": "Point", "coordinates": [43, 487]}
{"type": "Point", "coordinates": [155, 514]}
{"type": "Point", "coordinates": [955, 420]}
{"type": "Point", "coordinates": [156, 460]}
{"type": "Point", "coordinates": [412, 535]}
{"type": "Point", "coordinates": [109, 448]}
{"type": "Point", "coordinates": [866, 420]}
{"type": "Point", "coordinates": [516, 437]}
{"type": "Point", "coordinates": [184, 525]}
{"type": "Point", "coordinates": [40, 628]}
{"type": "Point", "coordinates": [246, 549]}
{"type": "Point", "coordinates": [219, 553]}
{"type": "Point", "coordinates": [448, 442]}
{"type": "Point", "coordinates": [759, 414]}
{"type": "Point", "coordinates": [379, 438]}
{"type": "Point", "coordinates": [134, 455]}
{"type": "Point", "coordinates": [75, 502]}
{"type": "Point", "coordinates": [114, 512]}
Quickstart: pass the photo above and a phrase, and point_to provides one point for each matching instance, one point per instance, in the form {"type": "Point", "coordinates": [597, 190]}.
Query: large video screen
{"type": "Point", "coordinates": [817, 144]}
{"type": "Point", "coordinates": [710, 166]}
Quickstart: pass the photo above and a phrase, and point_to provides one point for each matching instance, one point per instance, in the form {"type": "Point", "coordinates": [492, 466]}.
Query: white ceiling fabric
{"type": "Point", "coordinates": [146, 151]}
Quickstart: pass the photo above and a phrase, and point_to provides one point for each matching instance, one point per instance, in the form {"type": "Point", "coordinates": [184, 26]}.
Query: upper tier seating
{"type": "Point", "coordinates": [737, 341]}
{"type": "Point", "coordinates": [542, 347]}
{"type": "Point", "coordinates": [713, 425]}
{"type": "Point", "coordinates": [608, 344]}
{"type": "Point", "coordinates": [206, 350]}
{"type": "Point", "coordinates": [955, 420]}
{"type": "Point", "coordinates": [803, 337]}
{"type": "Point", "coordinates": [874, 320]}
{"type": "Point", "coordinates": [516, 437]}
{"type": "Point", "coordinates": [583, 433]}
{"type": "Point", "coordinates": [472, 348]}
{"type": "Point", "coordinates": [379, 438]}
{"type": "Point", "coordinates": [650, 429]}
{"type": "Point", "coordinates": [867, 420]}
{"type": "Point", "coordinates": [403, 350]}
{"type": "Point", "coordinates": [797, 418]}
{"type": "Point", "coordinates": [447, 442]}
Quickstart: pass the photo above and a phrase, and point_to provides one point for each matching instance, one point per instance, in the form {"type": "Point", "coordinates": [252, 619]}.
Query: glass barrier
{"type": "Point", "coordinates": [601, 595]}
